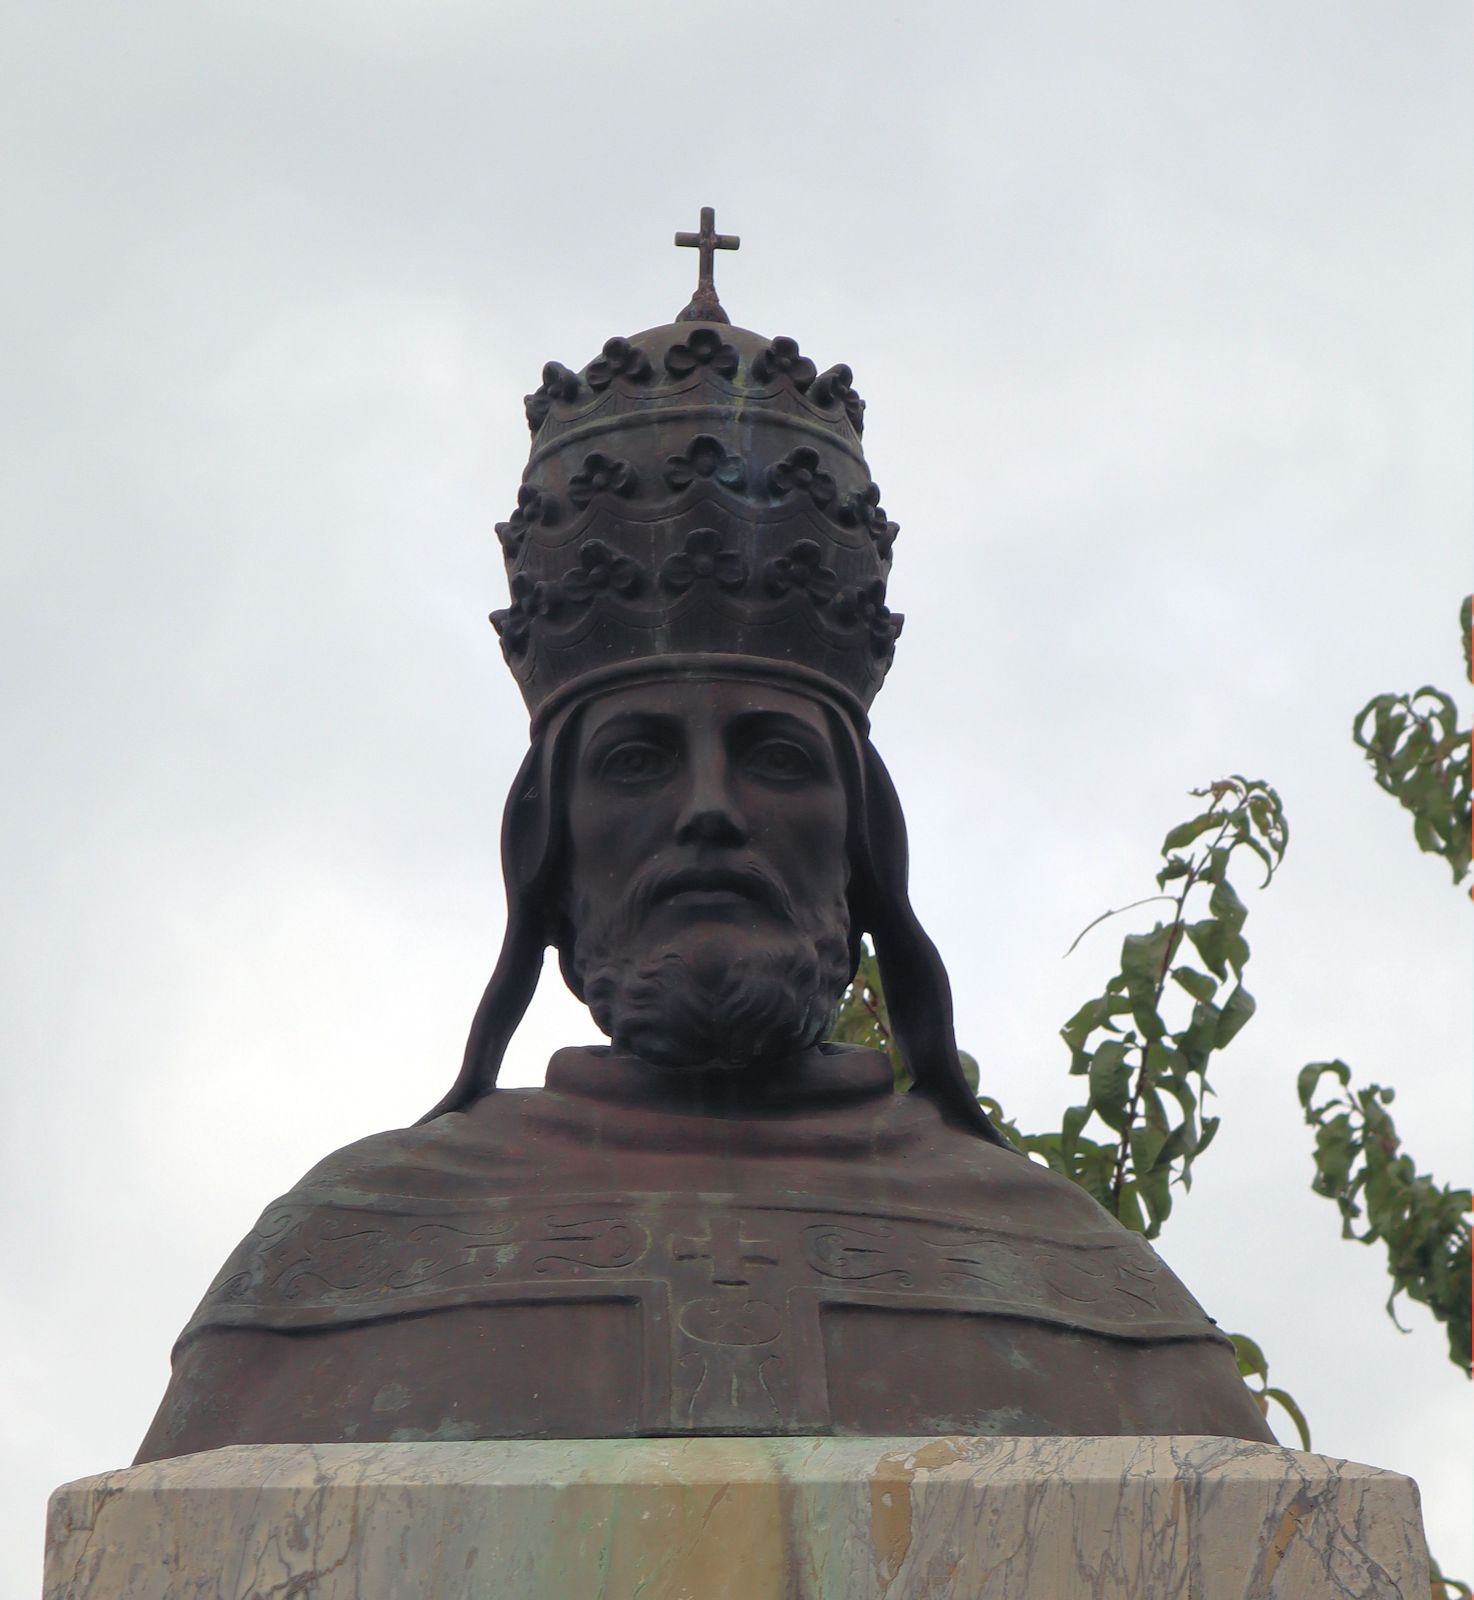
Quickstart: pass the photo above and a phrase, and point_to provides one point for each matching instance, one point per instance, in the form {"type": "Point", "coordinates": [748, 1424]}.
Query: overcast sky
{"type": "Point", "coordinates": [1162, 313]}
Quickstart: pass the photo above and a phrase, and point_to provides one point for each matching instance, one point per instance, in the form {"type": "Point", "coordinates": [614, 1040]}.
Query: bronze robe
{"type": "Point", "coordinates": [632, 1252]}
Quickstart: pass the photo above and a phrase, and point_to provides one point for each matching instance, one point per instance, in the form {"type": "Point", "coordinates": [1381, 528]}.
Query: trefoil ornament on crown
{"type": "Point", "coordinates": [697, 498]}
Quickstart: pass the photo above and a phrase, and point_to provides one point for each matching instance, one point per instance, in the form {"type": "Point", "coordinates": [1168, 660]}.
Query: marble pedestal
{"type": "Point", "coordinates": [742, 1519]}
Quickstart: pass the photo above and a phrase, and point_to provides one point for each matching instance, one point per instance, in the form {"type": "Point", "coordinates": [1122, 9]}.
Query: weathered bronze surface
{"type": "Point", "coordinates": [717, 1223]}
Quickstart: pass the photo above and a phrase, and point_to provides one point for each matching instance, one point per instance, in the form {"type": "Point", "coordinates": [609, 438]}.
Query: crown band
{"type": "Point", "coordinates": [661, 668]}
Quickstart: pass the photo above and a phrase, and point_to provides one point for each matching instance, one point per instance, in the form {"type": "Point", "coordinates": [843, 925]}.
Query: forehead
{"type": "Point", "coordinates": [702, 702]}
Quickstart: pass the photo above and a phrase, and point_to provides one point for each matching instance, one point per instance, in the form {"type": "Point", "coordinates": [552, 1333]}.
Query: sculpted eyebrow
{"type": "Point", "coordinates": [633, 724]}
{"type": "Point", "coordinates": [753, 723]}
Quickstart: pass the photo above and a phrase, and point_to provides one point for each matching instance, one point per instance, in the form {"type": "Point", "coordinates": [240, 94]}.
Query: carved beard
{"type": "Point", "coordinates": [711, 994]}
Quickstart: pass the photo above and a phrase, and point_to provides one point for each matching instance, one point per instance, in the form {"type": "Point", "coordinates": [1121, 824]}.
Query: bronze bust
{"type": "Point", "coordinates": [717, 1223]}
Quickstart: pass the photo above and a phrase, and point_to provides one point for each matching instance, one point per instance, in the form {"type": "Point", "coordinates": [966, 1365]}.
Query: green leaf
{"type": "Point", "coordinates": [1073, 1121]}
{"type": "Point", "coordinates": [1185, 832]}
{"type": "Point", "coordinates": [1198, 984]}
{"type": "Point", "coordinates": [1078, 1029]}
{"type": "Point", "coordinates": [1110, 1084]}
{"type": "Point", "coordinates": [1149, 1020]}
{"type": "Point", "coordinates": [1181, 1146]}
{"type": "Point", "coordinates": [1296, 1415]}
{"type": "Point", "coordinates": [1200, 1038]}
{"type": "Point", "coordinates": [1225, 904]}
{"type": "Point", "coordinates": [1250, 1357]}
{"type": "Point", "coordinates": [1154, 1189]}
{"type": "Point", "coordinates": [1336, 1150]}
{"type": "Point", "coordinates": [1094, 1166]}
{"type": "Point", "coordinates": [1310, 1077]}
{"type": "Point", "coordinates": [1263, 854]}
{"type": "Point", "coordinates": [1144, 958]}
{"type": "Point", "coordinates": [1169, 1066]}
{"type": "Point", "coordinates": [1146, 1144]}
{"type": "Point", "coordinates": [1209, 938]}
{"type": "Point", "coordinates": [1180, 1088]}
{"type": "Point", "coordinates": [1128, 1210]}
{"type": "Point", "coordinates": [1237, 1010]}
{"type": "Point", "coordinates": [1144, 955]}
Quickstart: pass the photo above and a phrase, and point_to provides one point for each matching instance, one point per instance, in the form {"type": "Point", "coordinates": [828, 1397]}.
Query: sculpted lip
{"type": "Point", "coordinates": [709, 880]}
{"type": "Point", "coordinates": [749, 884]}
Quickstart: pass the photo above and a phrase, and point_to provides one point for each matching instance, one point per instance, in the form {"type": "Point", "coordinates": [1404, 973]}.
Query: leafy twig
{"type": "Point", "coordinates": [1420, 756]}
{"type": "Point", "coordinates": [1130, 1066]}
{"type": "Point", "coordinates": [1424, 1226]}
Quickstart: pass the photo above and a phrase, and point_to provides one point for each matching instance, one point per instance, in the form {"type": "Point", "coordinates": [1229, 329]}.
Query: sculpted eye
{"type": "Point", "coordinates": [780, 760]}
{"type": "Point", "coordinates": [636, 761]}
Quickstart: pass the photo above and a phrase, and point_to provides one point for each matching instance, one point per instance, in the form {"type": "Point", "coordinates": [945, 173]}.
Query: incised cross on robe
{"type": "Point", "coordinates": [705, 307]}
{"type": "Point", "coordinates": [729, 1253]}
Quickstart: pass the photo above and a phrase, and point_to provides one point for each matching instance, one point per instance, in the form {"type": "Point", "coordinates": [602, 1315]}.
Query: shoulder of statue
{"type": "Point", "coordinates": [403, 1160]}
{"type": "Point", "coordinates": [1017, 1182]}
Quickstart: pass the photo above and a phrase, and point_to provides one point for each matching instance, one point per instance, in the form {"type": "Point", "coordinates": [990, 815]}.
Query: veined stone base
{"type": "Point", "coordinates": [742, 1519]}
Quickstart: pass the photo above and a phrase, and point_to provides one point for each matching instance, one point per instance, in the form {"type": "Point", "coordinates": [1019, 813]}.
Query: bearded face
{"type": "Point", "coordinates": [708, 871]}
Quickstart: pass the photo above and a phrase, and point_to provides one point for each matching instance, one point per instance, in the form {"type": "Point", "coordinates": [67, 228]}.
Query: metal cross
{"type": "Point", "coordinates": [707, 241]}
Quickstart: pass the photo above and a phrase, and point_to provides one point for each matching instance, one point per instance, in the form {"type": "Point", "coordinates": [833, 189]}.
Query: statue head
{"type": "Point", "coordinates": [705, 916]}
{"type": "Point", "coordinates": [697, 563]}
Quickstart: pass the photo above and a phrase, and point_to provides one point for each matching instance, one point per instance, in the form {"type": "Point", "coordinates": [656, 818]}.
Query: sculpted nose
{"type": "Point", "coordinates": [709, 816]}
{"type": "Point", "coordinates": [712, 825]}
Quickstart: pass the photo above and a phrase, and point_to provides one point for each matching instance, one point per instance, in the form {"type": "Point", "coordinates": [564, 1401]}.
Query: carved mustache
{"type": "Point", "coordinates": [749, 879]}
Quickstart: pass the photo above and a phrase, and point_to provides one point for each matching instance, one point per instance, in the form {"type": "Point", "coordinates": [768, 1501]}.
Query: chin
{"type": "Point", "coordinates": [718, 993]}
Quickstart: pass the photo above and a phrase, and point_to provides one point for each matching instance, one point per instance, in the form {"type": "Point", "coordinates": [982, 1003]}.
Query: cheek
{"type": "Point", "coordinates": [612, 830]}
{"type": "Point", "coordinates": [806, 844]}
{"type": "Point", "coordinates": [595, 862]}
